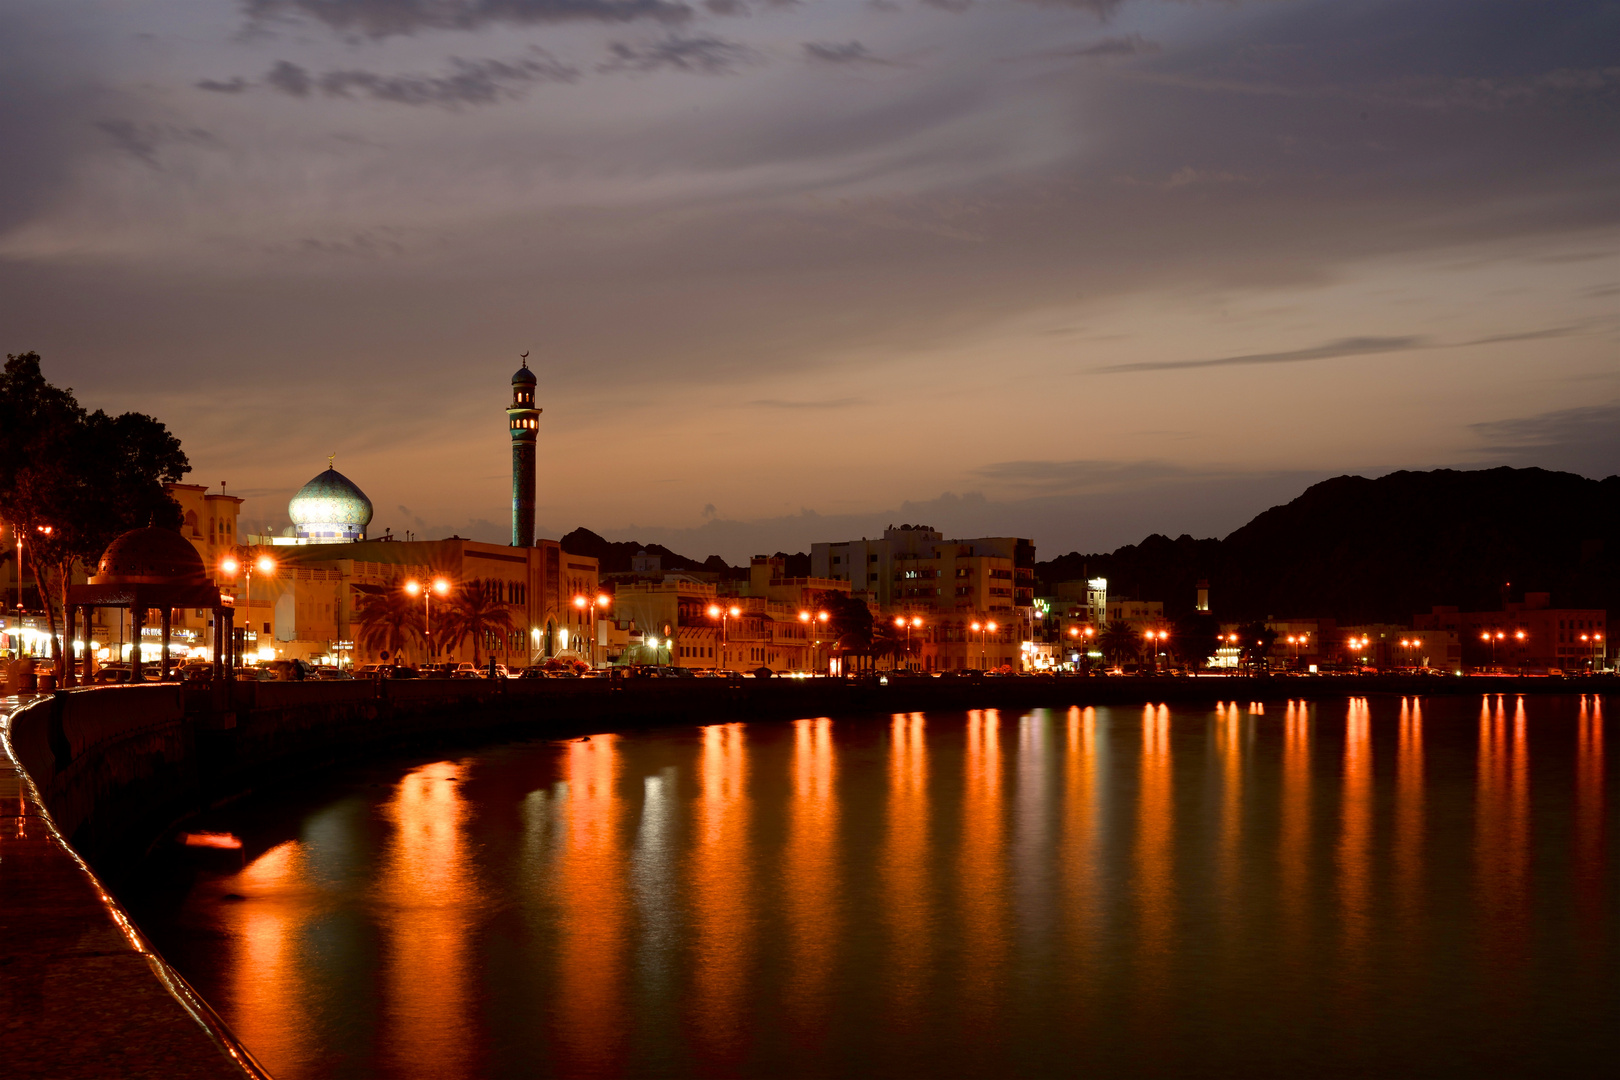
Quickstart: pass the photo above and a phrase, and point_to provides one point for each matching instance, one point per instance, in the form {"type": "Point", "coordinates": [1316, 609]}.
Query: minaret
{"type": "Point", "coordinates": [524, 421]}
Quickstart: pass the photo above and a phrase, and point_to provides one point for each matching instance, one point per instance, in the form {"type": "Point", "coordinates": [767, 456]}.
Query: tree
{"type": "Point", "coordinates": [1196, 637]}
{"type": "Point", "coordinates": [850, 623]}
{"type": "Point", "coordinates": [1256, 640]}
{"type": "Point", "coordinates": [1119, 641]}
{"type": "Point", "coordinates": [71, 481]}
{"type": "Point", "coordinates": [476, 611]}
{"type": "Point", "coordinates": [389, 620]}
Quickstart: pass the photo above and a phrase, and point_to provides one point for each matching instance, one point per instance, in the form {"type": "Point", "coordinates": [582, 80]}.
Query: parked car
{"type": "Point", "coordinates": [332, 674]}
{"type": "Point", "coordinates": [403, 672]}
{"type": "Point", "coordinates": [533, 673]}
{"type": "Point", "coordinates": [465, 670]}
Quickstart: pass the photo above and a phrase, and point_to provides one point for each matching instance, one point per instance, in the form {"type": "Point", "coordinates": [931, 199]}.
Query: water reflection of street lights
{"type": "Point", "coordinates": [601, 600]}
{"type": "Point", "coordinates": [723, 614]}
{"type": "Point", "coordinates": [439, 586]}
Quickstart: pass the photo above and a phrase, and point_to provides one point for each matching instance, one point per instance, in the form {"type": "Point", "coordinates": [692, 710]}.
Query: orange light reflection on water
{"type": "Point", "coordinates": [721, 895]}
{"type": "Point", "coordinates": [810, 875]}
{"type": "Point", "coordinates": [592, 910]}
{"type": "Point", "coordinates": [905, 865]}
{"type": "Point", "coordinates": [1155, 869]}
{"type": "Point", "coordinates": [1081, 854]}
{"type": "Point", "coordinates": [428, 886]}
{"type": "Point", "coordinates": [1355, 835]}
{"type": "Point", "coordinates": [1589, 839]}
{"type": "Point", "coordinates": [267, 1006]}
{"type": "Point", "coordinates": [984, 901]}
{"type": "Point", "coordinates": [1409, 812]}
{"type": "Point", "coordinates": [1294, 834]}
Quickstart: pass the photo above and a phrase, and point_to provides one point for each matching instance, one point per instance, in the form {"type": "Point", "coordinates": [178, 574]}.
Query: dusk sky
{"type": "Point", "coordinates": [791, 272]}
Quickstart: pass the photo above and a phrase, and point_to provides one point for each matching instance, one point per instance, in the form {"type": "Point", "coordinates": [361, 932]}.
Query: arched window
{"type": "Point", "coordinates": [191, 523]}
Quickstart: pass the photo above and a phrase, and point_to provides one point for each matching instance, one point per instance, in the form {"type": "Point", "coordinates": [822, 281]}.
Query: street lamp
{"type": "Point", "coordinates": [901, 622]}
{"type": "Point", "coordinates": [984, 631]}
{"type": "Point", "coordinates": [1156, 639]}
{"type": "Point", "coordinates": [810, 622]}
{"type": "Point", "coordinates": [724, 614]}
{"type": "Point", "coordinates": [414, 588]}
{"type": "Point", "coordinates": [601, 600]}
{"type": "Point", "coordinates": [230, 566]}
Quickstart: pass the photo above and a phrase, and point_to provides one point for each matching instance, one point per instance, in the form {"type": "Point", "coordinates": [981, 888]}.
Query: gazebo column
{"type": "Point", "coordinates": [219, 644]}
{"type": "Point", "coordinates": [89, 644]}
{"type": "Point", "coordinates": [137, 616]}
{"type": "Point", "coordinates": [167, 616]}
{"type": "Point", "coordinates": [71, 662]}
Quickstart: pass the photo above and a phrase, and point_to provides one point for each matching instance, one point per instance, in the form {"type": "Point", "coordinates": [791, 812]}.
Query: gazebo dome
{"type": "Point", "coordinates": [150, 556]}
{"type": "Point", "coordinates": [330, 508]}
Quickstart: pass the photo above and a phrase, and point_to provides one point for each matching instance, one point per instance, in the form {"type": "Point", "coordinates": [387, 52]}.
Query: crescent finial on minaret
{"type": "Point", "coordinates": [525, 358]}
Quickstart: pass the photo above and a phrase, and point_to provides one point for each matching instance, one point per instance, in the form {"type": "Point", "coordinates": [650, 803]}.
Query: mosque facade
{"type": "Point", "coordinates": [324, 565]}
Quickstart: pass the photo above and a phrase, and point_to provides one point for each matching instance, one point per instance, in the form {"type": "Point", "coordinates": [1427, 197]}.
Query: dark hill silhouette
{"type": "Point", "coordinates": [614, 556]}
{"type": "Point", "coordinates": [1381, 550]}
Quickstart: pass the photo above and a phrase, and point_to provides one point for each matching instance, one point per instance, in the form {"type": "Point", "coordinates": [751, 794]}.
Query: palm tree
{"type": "Point", "coordinates": [1119, 640]}
{"type": "Point", "coordinates": [390, 619]}
{"type": "Point", "coordinates": [476, 612]}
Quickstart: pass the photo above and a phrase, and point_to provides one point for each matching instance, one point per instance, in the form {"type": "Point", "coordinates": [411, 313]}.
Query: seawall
{"type": "Point", "coordinates": [94, 776]}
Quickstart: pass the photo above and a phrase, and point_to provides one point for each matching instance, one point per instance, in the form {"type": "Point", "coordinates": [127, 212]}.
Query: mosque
{"type": "Point", "coordinates": [296, 595]}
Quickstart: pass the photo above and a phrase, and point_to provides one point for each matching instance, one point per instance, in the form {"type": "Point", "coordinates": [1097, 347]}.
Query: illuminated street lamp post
{"type": "Point", "coordinates": [984, 631]}
{"type": "Point", "coordinates": [811, 633]}
{"type": "Point", "coordinates": [1493, 639]}
{"type": "Point", "coordinates": [724, 614]}
{"type": "Point", "coordinates": [229, 566]}
{"type": "Point", "coordinates": [1593, 643]}
{"type": "Point", "coordinates": [1297, 641]}
{"type": "Point", "coordinates": [1156, 642]}
{"type": "Point", "coordinates": [601, 600]}
{"type": "Point", "coordinates": [900, 621]}
{"type": "Point", "coordinates": [1409, 645]}
{"type": "Point", "coordinates": [414, 587]}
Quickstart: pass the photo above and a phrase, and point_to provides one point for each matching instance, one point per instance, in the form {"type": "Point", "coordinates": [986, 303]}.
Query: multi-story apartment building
{"type": "Point", "coordinates": [915, 568]}
{"type": "Point", "coordinates": [1527, 634]}
{"type": "Point", "coordinates": [685, 622]}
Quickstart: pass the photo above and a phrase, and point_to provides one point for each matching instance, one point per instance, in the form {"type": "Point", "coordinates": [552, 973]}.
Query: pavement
{"type": "Point", "coordinates": [82, 994]}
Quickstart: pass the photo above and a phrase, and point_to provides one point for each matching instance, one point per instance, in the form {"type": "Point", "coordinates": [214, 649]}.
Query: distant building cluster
{"type": "Point", "coordinates": [324, 592]}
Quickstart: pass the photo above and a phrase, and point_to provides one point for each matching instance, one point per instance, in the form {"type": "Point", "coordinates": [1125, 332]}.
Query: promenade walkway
{"type": "Point", "coordinates": [81, 992]}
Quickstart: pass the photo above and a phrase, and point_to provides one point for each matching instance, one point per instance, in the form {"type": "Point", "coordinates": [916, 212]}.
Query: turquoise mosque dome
{"type": "Point", "coordinates": [330, 508]}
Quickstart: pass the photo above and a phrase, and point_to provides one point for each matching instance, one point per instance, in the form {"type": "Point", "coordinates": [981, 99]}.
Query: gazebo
{"type": "Point", "coordinates": [144, 569]}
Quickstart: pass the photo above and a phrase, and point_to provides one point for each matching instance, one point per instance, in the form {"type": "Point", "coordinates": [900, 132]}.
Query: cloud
{"type": "Point", "coordinates": [142, 141]}
{"type": "Point", "coordinates": [1527, 335]}
{"type": "Point", "coordinates": [230, 86]}
{"type": "Point", "coordinates": [700, 56]}
{"type": "Point", "coordinates": [830, 403]}
{"type": "Point", "coordinates": [849, 52]}
{"type": "Point", "coordinates": [469, 82]}
{"type": "Point", "coordinates": [1343, 347]}
{"type": "Point", "coordinates": [1585, 439]}
{"type": "Point", "coordinates": [387, 18]}
{"type": "Point", "coordinates": [289, 78]}
{"type": "Point", "coordinates": [726, 7]}
{"type": "Point", "coordinates": [1104, 48]}
{"type": "Point", "coordinates": [1084, 474]}
{"type": "Point", "coordinates": [1186, 176]}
